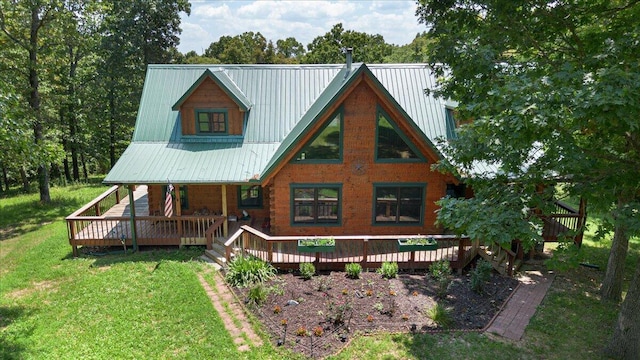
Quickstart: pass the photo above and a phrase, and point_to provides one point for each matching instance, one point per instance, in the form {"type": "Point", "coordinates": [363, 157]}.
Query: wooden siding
{"type": "Point", "coordinates": [210, 96]}
{"type": "Point", "coordinates": [359, 141]}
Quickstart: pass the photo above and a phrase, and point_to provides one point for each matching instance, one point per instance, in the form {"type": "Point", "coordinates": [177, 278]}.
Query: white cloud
{"type": "Point", "coordinates": [303, 20]}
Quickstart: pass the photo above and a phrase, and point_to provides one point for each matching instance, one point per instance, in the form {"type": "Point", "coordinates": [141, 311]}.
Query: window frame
{"type": "Point", "coordinates": [184, 197]}
{"type": "Point", "coordinates": [339, 160]}
{"type": "Point", "coordinates": [316, 187]}
{"type": "Point", "coordinates": [259, 204]}
{"type": "Point", "coordinates": [419, 157]}
{"type": "Point", "coordinates": [399, 186]}
{"type": "Point", "coordinates": [224, 112]}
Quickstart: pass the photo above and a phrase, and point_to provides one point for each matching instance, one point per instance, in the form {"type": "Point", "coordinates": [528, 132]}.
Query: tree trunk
{"type": "Point", "coordinates": [34, 102]}
{"type": "Point", "coordinates": [112, 126]}
{"type": "Point", "coordinates": [25, 179]}
{"type": "Point", "coordinates": [625, 342]}
{"type": "Point", "coordinates": [71, 113]}
{"type": "Point", "coordinates": [611, 289]}
{"type": "Point", "coordinates": [84, 167]}
{"type": "Point", "coordinates": [5, 177]}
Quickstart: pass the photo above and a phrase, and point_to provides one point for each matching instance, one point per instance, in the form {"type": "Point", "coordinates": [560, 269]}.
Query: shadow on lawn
{"type": "Point", "coordinates": [117, 255]}
{"type": "Point", "coordinates": [10, 348]}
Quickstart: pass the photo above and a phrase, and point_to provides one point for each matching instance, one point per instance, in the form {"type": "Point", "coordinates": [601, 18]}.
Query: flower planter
{"type": "Point", "coordinates": [316, 245]}
{"type": "Point", "coordinates": [420, 244]}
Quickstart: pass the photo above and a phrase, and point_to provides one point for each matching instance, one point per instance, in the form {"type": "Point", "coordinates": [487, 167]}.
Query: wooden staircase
{"type": "Point", "coordinates": [504, 261]}
{"type": "Point", "coordinates": [217, 252]}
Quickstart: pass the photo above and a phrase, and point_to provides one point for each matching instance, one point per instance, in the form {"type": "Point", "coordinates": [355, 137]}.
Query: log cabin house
{"type": "Point", "coordinates": [260, 156]}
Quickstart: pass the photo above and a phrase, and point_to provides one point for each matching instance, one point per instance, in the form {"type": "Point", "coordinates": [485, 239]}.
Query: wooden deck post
{"type": "Point", "coordinates": [132, 207]}
{"type": "Point", "coordinates": [365, 257]}
{"type": "Point", "coordinates": [225, 212]}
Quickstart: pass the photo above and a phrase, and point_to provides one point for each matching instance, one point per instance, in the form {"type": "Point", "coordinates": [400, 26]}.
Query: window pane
{"type": "Point", "coordinates": [327, 208]}
{"type": "Point", "coordinates": [203, 122]}
{"type": "Point", "coordinates": [219, 124]}
{"type": "Point", "coordinates": [390, 144]}
{"type": "Point", "coordinates": [250, 196]}
{"type": "Point", "coordinates": [386, 204]}
{"type": "Point", "coordinates": [303, 205]}
{"type": "Point", "coordinates": [410, 204]}
{"type": "Point", "coordinates": [326, 146]}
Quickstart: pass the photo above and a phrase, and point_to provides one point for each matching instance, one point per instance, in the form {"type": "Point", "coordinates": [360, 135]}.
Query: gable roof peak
{"type": "Point", "coordinates": [222, 79]}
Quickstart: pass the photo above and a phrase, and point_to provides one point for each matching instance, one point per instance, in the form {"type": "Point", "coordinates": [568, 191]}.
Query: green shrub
{"type": "Point", "coordinates": [441, 272]}
{"type": "Point", "coordinates": [245, 271]}
{"type": "Point", "coordinates": [258, 294]}
{"type": "Point", "coordinates": [353, 270]}
{"type": "Point", "coordinates": [388, 270]}
{"type": "Point", "coordinates": [307, 270]}
{"type": "Point", "coordinates": [480, 275]}
{"type": "Point", "coordinates": [440, 315]}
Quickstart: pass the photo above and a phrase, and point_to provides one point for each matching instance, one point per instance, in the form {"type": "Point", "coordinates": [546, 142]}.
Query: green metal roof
{"type": "Point", "coordinates": [283, 102]}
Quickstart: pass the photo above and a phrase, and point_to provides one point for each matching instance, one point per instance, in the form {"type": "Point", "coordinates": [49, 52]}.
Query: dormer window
{"type": "Point", "coordinates": [211, 122]}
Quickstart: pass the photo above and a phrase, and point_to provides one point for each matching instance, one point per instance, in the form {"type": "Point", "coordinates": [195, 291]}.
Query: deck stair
{"type": "Point", "coordinates": [217, 253]}
{"type": "Point", "coordinates": [500, 258]}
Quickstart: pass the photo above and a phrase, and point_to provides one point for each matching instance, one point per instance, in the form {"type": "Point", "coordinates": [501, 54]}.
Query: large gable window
{"type": "Point", "coordinates": [399, 204]}
{"type": "Point", "coordinates": [326, 146]}
{"type": "Point", "coordinates": [315, 204]}
{"type": "Point", "coordinates": [391, 144]}
{"type": "Point", "coordinates": [211, 122]}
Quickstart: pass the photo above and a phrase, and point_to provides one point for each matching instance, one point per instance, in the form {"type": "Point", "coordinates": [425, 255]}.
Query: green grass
{"type": "Point", "coordinates": [151, 305]}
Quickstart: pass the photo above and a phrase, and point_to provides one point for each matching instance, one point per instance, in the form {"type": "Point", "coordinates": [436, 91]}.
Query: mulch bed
{"type": "Point", "coordinates": [332, 308]}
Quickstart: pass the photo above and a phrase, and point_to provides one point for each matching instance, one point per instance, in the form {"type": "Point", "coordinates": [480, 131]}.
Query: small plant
{"type": "Point", "coordinates": [480, 275]}
{"type": "Point", "coordinates": [440, 315]}
{"type": "Point", "coordinates": [318, 242]}
{"type": "Point", "coordinates": [277, 309]}
{"type": "Point", "coordinates": [245, 271]}
{"type": "Point", "coordinates": [258, 294]}
{"type": "Point", "coordinates": [318, 331]}
{"type": "Point", "coordinates": [283, 322]}
{"type": "Point", "coordinates": [370, 318]}
{"type": "Point", "coordinates": [378, 306]}
{"type": "Point", "coordinates": [323, 283]}
{"type": "Point", "coordinates": [388, 270]}
{"type": "Point", "coordinates": [337, 312]}
{"type": "Point", "coordinates": [353, 270]}
{"type": "Point", "coordinates": [301, 331]}
{"type": "Point", "coordinates": [307, 270]}
{"type": "Point", "coordinates": [405, 317]}
{"type": "Point", "coordinates": [392, 293]}
{"type": "Point", "coordinates": [345, 292]}
{"type": "Point", "coordinates": [441, 272]}
{"type": "Point", "coordinates": [414, 293]}
{"type": "Point", "coordinates": [369, 292]}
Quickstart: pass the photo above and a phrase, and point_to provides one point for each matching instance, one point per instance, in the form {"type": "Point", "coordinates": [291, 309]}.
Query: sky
{"type": "Point", "coordinates": [395, 20]}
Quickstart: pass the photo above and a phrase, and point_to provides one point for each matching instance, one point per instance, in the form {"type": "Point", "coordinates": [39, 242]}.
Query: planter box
{"type": "Point", "coordinates": [308, 246]}
{"type": "Point", "coordinates": [405, 245]}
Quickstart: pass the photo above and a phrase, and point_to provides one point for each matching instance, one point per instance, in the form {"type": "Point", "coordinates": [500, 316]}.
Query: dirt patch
{"type": "Point", "coordinates": [49, 286]}
{"type": "Point", "coordinates": [317, 317]}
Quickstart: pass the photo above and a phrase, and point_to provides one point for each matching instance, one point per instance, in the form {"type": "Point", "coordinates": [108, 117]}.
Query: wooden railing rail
{"type": "Point", "coordinates": [368, 250]}
{"type": "Point", "coordinates": [103, 202]}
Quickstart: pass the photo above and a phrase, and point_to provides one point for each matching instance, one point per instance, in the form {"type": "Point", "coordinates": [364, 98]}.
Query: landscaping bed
{"type": "Point", "coordinates": [317, 317]}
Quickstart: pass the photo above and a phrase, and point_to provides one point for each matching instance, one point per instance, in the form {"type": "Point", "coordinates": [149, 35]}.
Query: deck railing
{"type": "Point", "coordinates": [368, 250]}
{"type": "Point", "coordinates": [564, 221]}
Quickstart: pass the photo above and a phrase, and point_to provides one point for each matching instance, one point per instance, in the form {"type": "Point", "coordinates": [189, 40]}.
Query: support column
{"type": "Point", "coordinates": [132, 212]}
{"type": "Point", "coordinates": [178, 211]}
{"type": "Point", "coordinates": [225, 212]}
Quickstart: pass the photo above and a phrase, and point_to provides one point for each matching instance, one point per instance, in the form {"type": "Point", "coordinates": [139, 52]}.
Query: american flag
{"type": "Point", "coordinates": [168, 202]}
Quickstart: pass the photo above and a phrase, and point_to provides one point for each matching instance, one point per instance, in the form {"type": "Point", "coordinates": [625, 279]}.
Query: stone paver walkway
{"type": "Point", "coordinates": [243, 336]}
{"type": "Point", "coordinates": [514, 318]}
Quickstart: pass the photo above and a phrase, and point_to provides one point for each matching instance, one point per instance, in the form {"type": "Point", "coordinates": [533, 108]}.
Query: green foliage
{"type": "Point", "coordinates": [353, 270]}
{"type": "Point", "coordinates": [307, 270]}
{"type": "Point", "coordinates": [258, 294]}
{"type": "Point", "coordinates": [440, 272]}
{"type": "Point", "coordinates": [388, 270]}
{"type": "Point", "coordinates": [245, 271]}
{"type": "Point", "coordinates": [480, 275]}
{"type": "Point", "coordinates": [440, 314]}
{"type": "Point", "coordinates": [327, 49]}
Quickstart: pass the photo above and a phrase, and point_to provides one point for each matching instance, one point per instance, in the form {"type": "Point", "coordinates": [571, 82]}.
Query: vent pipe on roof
{"type": "Point", "coordinates": [348, 52]}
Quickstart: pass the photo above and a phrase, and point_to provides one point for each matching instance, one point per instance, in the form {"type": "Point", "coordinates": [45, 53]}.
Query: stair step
{"type": "Point", "coordinates": [217, 257]}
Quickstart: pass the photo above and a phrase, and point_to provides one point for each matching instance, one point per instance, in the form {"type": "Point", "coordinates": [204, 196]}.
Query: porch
{"type": "Point", "coordinates": [110, 221]}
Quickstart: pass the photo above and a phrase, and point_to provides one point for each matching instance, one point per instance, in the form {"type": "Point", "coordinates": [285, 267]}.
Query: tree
{"type": "Point", "coordinates": [289, 49]}
{"type": "Point", "coordinates": [247, 48]}
{"type": "Point", "coordinates": [415, 52]}
{"type": "Point", "coordinates": [552, 89]}
{"type": "Point", "coordinates": [25, 23]}
{"type": "Point", "coordinates": [327, 49]}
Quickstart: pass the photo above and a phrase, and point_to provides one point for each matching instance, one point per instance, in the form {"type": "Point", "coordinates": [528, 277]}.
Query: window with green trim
{"type": "Point", "coordinates": [399, 204]}
{"type": "Point", "coordinates": [315, 204]}
{"type": "Point", "coordinates": [391, 143]}
{"type": "Point", "coordinates": [250, 196]}
{"type": "Point", "coordinates": [184, 197]}
{"type": "Point", "coordinates": [326, 145]}
{"type": "Point", "coordinates": [451, 124]}
{"type": "Point", "coordinates": [211, 122]}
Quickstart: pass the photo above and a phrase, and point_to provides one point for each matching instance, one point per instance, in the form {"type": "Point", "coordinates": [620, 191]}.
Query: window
{"type": "Point", "coordinates": [399, 204]}
{"type": "Point", "coordinates": [211, 122]}
{"type": "Point", "coordinates": [391, 143]}
{"type": "Point", "coordinates": [451, 124]}
{"type": "Point", "coordinates": [315, 204]}
{"type": "Point", "coordinates": [184, 197]}
{"type": "Point", "coordinates": [326, 146]}
{"type": "Point", "coordinates": [250, 196]}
